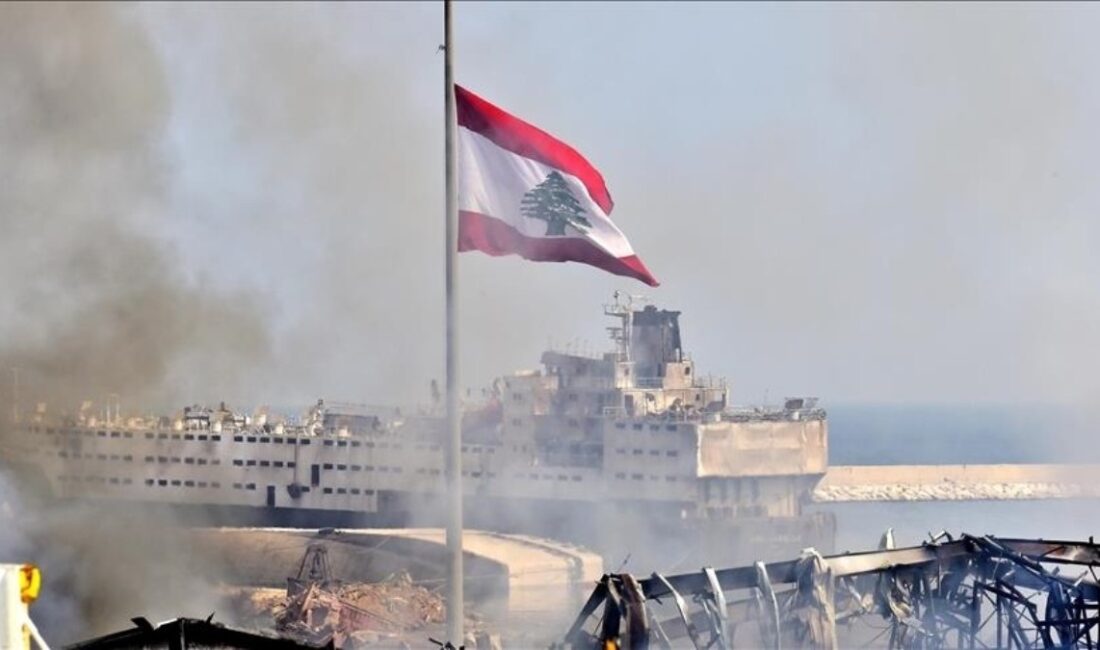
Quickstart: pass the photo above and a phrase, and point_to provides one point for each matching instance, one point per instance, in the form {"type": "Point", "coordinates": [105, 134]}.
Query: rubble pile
{"type": "Point", "coordinates": [410, 605]}
{"type": "Point", "coordinates": [356, 615]}
{"type": "Point", "coordinates": [250, 607]}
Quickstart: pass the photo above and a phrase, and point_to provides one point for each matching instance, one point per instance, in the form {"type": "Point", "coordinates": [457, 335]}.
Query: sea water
{"type": "Point", "coordinates": [956, 434]}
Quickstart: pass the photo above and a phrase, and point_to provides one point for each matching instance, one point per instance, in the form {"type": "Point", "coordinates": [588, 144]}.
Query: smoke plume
{"type": "Point", "coordinates": [98, 301]}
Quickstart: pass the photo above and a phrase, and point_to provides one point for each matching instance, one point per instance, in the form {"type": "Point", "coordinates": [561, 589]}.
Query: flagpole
{"type": "Point", "coordinates": [455, 617]}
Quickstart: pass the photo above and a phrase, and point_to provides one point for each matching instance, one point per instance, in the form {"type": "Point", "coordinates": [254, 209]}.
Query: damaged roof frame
{"type": "Point", "coordinates": [965, 593]}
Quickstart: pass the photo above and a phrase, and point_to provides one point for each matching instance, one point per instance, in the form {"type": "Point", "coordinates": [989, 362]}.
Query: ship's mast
{"type": "Point", "coordinates": [15, 394]}
{"type": "Point", "coordinates": [622, 307]}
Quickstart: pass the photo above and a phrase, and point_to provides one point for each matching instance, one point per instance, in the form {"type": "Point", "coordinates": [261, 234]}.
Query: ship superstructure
{"type": "Point", "coordinates": [635, 430]}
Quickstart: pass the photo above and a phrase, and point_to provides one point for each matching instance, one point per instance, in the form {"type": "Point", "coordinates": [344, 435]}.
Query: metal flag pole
{"type": "Point", "coordinates": [454, 430]}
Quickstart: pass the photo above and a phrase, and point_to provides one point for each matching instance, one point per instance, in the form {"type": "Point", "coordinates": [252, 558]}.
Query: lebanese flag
{"type": "Point", "coordinates": [523, 192]}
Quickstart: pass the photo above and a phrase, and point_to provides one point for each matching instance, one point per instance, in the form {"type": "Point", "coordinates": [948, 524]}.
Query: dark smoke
{"type": "Point", "coordinates": [101, 567]}
{"type": "Point", "coordinates": [97, 301]}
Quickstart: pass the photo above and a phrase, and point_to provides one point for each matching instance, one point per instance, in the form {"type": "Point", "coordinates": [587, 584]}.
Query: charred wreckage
{"type": "Point", "coordinates": [970, 592]}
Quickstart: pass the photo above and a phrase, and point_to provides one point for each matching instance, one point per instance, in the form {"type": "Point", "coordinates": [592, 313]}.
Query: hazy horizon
{"type": "Point", "coordinates": [868, 203]}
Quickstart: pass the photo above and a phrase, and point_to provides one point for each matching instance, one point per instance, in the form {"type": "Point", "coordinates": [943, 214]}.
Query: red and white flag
{"type": "Point", "coordinates": [523, 192]}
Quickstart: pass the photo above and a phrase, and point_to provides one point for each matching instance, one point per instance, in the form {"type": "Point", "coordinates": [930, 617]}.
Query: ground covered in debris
{"type": "Point", "coordinates": [383, 614]}
{"type": "Point", "coordinates": [408, 605]}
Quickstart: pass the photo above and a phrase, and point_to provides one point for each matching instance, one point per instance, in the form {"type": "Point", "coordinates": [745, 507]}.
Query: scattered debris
{"type": "Point", "coordinates": [318, 608]}
{"type": "Point", "coordinates": [946, 593]}
{"type": "Point", "coordinates": [318, 613]}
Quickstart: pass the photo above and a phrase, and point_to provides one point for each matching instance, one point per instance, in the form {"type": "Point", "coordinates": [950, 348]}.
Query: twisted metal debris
{"type": "Point", "coordinates": [970, 592]}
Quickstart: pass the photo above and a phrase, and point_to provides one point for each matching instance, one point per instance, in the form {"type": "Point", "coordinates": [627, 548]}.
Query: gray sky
{"type": "Point", "coordinates": [866, 202]}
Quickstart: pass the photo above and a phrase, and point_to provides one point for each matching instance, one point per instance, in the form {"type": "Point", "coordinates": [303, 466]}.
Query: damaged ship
{"type": "Point", "coordinates": [617, 450]}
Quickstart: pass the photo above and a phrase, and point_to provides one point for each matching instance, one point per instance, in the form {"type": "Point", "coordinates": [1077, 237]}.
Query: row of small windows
{"type": "Point", "coordinates": [102, 480]}
{"type": "Point", "coordinates": [671, 453]}
{"type": "Point", "coordinates": [201, 437]}
{"type": "Point", "coordinates": [573, 422]}
{"type": "Point", "coordinates": [252, 486]}
{"type": "Point", "coordinates": [518, 397]}
{"type": "Point", "coordinates": [88, 433]}
{"type": "Point", "coordinates": [475, 449]}
{"type": "Point", "coordinates": [237, 462]}
{"type": "Point", "coordinates": [305, 441]}
{"type": "Point", "coordinates": [364, 468]}
{"type": "Point", "coordinates": [341, 467]}
{"type": "Point", "coordinates": [328, 442]}
{"type": "Point", "coordinates": [163, 482]}
{"type": "Point", "coordinates": [641, 477]}
{"type": "Point", "coordinates": [576, 478]}
{"type": "Point", "coordinates": [149, 482]}
{"type": "Point", "coordinates": [340, 490]}
{"type": "Point", "coordinates": [185, 461]}
{"type": "Point", "coordinates": [65, 454]}
{"type": "Point", "coordinates": [276, 440]}
{"type": "Point", "coordinates": [638, 426]}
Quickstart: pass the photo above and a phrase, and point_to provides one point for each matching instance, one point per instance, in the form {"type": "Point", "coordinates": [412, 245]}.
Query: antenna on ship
{"type": "Point", "coordinates": [622, 307]}
{"type": "Point", "coordinates": [113, 398]}
{"type": "Point", "coordinates": [15, 393]}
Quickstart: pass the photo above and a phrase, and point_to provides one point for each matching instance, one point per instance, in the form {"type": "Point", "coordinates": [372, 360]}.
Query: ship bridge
{"type": "Point", "coordinates": [647, 374]}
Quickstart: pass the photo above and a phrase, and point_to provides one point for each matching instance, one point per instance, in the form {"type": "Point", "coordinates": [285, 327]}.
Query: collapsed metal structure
{"type": "Point", "coordinates": [320, 609]}
{"type": "Point", "coordinates": [970, 592]}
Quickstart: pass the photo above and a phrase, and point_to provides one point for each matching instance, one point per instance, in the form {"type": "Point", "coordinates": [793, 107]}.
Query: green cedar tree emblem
{"type": "Point", "coordinates": [553, 202]}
